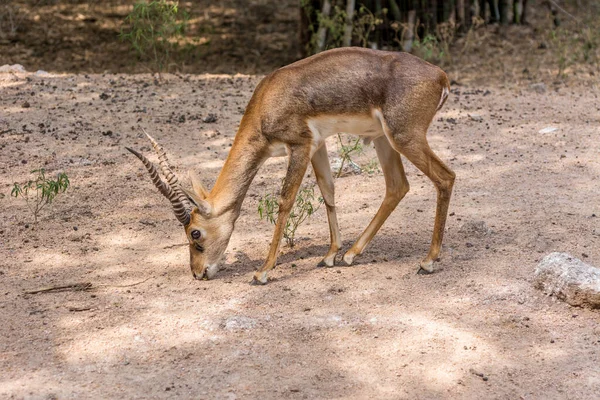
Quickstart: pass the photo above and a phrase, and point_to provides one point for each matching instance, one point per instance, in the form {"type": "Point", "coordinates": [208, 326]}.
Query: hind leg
{"type": "Point", "coordinates": [396, 187]}
{"type": "Point", "coordinates": [420, 154]}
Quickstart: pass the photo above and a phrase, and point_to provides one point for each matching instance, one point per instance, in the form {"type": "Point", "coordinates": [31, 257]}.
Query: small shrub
{"type": "Point", "coordinates": [364, 25]}
{"type": "Point", "coordinates": [429, 48]}
{"type": "Point", "coordinates": [347, 151]}
{"type": "Point", "coordinates": [152, 29]}
{"type": "Point", "coordinates": [372, 167]}
{"type": "Point", "coordinates": [40, 192]}
{"type": "Point", "coordinates": [11, 19]}
{"type": "Point", "coordinates": [304, 206]}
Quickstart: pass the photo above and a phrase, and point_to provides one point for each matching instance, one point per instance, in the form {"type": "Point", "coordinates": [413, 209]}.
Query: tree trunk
{"type": "Point", "coordinates": [468, 13]}
{"type": "Point", "coordinates": [494, 12]}
{"type": "Point", "coordinates": [524, 13]}
{"type": "Point", "coordinates": [517, 11]}
{"type": "Point", "coordinates": [409, 34]}
{"type": "Point", "coordinates": [503, 8]}
{"type": "Point", "coordinates": [432, 15]}
{"type": "Point", "coordinates": [482, 9]}
{"type": "Point", "coordinates": [322, 32]}
{"type": "Point", "coordinates": [395, 10]}
{"type": "Point", "coordinates": [460, 13]}
{"type": "Point", "coordinates": [378, 13]}
{"type": "Point", "coordinates": [347, 40]}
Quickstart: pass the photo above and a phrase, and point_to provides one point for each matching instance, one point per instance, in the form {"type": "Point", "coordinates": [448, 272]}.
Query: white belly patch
{"type": "Point", "coordinates": [362, 125]}
{"type": "Point", "coordinates": [327, 125]}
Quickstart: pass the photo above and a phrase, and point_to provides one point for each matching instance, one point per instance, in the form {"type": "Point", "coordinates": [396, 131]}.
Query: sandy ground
{"type": "Point", "coordinates": [475, 329]}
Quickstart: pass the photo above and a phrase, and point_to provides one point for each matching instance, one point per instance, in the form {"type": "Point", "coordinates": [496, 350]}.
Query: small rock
{"type": "Point", "coordinates": [238, 323]}
{"type": "Point", "coordinates": [548, 129]}
{"type": "Point", "coordinates": [12, 68]}
{"type": "Point", "coordinates": [475, 117]}
{"type": "Point", "coordinates": [26, 105]}
{"type": "Point", "coordinates": [104, 96]}
{"type": "Point", "coordinates": [479, 374]}
{"type": "Point", "coordinates": [209, 119]}
{"type": "Point", "coordinates": [538, 87]}
{"type": "Point", "coordinates": [569, 279]}
{"type": "Point", "coordinates": [475, 229]}
{"type": "Point", "coordinates": [41, 72]}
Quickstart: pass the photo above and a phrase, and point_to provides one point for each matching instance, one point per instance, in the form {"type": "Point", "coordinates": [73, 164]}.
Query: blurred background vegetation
{"type": "Point", "coordinates": [472, 39]}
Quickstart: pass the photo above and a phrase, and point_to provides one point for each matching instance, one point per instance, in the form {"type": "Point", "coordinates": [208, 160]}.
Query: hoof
{"type": "Point", "coordinates": [256, 282]}
{"type": "Point", "coordinates": [425, 267]}
{"type": "Point", "coordinates": [422, 271]}
{"type": "Point", "coordinates": [348, 259]}
{"type": "Point", "coordinates": [325, 264]}
{"type": "Point", "coordinates": [259, 279]}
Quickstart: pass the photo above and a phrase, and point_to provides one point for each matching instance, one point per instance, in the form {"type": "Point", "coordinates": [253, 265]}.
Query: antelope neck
{"type": "Point", "coordinates": [235, 177]}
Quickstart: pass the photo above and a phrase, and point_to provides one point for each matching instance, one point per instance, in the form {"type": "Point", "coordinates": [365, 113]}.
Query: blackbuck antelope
{"type": "Point", "coordinates": [389, 98]}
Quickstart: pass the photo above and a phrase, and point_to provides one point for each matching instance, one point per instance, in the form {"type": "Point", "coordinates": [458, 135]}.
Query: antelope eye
{"type": "Point", "coordinates": [196, 234]}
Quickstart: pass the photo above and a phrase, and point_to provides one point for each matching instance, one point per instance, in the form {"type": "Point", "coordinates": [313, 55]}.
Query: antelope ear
{"type": "Point", "coordinates": [199, 189]}
{"type": "Point", "coordinates": [204, 207]}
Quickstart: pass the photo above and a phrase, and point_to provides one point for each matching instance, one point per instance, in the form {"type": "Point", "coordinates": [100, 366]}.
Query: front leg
{"type": "Point", "coordinates": [320, 164]}
{"type": "Point", "coordinates": [298, 162]}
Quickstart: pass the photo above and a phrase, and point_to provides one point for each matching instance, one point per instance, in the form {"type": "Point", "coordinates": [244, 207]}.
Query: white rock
{"type": "Point", "coordinates": [548, 129]}
{"type": "Point", "coordinates": [538, 87]}
{"type": "Point", "coordinates": [41, 72]}
{"type": "Point", "coordinates": [236, 323]}
{"type": "Point", "coordinates": [569, 279]}
{"type": "Point", "coordinates": [12, 68]}
{"type": "Point", "coordinates": [475, 117]}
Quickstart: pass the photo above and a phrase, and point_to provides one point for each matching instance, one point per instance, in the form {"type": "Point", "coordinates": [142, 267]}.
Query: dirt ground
{"type": "Point", "coordinates": [475, 329]}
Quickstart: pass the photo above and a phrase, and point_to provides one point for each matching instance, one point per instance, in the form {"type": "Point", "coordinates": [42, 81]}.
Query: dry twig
{"type": "Point", "coordinates": [75, 287]}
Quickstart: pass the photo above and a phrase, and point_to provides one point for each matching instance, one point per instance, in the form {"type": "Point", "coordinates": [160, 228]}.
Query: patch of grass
{"type": "Point", "coordinates": [40, 191]}
{"type": "Point", "coordinates": [347, 151]}
{"type": "Point", "coordinates": [153, 28]}
{"type": "Point", "coordinates": [305, 205]}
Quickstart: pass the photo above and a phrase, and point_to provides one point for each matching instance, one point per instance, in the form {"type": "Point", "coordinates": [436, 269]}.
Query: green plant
{"type": "Point", "coordinates": [590, 38]}
{"type": "Point", "coordinates": [364, 24]}
{"type": "Point", "coordinates": [429, 48]}
{"type": "Point", "coordinates": [45, 190]}
{"type": "Point", "coordinates": [335, 26]}
{"type": "Point", "coordinates": [152, 29]}
{"type": "Point", "coordinates": [372, 167]}
{"type": "Point", "coordinates": [304, 206]}
{"type": "Point", "coordinates": [563, 44]}
{"type": "Point", "coordinates": [347, 151]}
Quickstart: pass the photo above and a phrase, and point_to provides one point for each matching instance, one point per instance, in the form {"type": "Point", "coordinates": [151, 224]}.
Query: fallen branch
{"type": "Point", "coordinates": [76, 309]}
{"type": "Point", "coordinates": [552, 2]}
{"type": "Point", "coordinates": [75, 287]}
{"type": "Point", "coordinates": [130, 285]}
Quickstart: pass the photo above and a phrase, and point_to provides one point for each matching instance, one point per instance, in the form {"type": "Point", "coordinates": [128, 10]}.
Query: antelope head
{"type": "Point", "coordinates": [207, 232]}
